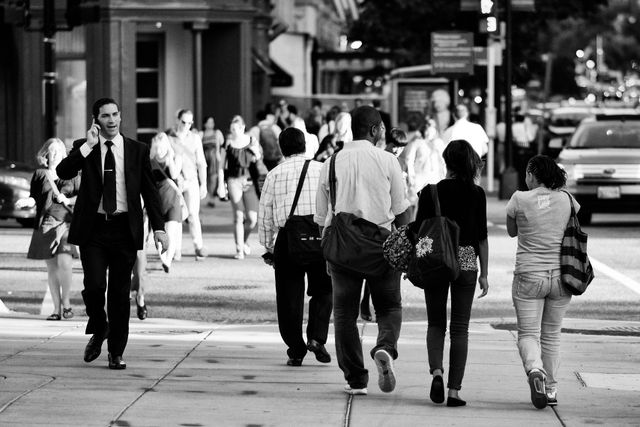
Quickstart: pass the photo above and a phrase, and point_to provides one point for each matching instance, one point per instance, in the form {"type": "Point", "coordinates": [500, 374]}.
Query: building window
{"type": "Point", "coordinates": [149, 77]}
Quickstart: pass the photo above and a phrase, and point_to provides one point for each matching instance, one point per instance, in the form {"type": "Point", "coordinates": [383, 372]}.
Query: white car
{"type": "Point", "coordinates": [602, 161]}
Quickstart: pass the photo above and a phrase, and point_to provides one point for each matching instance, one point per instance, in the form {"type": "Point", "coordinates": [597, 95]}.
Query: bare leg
{"type": "Point", "coordinates": [64, 277]}
{"type": "Point", "coordinates": [52, 279]}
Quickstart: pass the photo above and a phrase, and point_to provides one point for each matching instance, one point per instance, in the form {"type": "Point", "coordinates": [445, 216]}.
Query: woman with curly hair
{"type": "Point", "coordinates": [538, 218]}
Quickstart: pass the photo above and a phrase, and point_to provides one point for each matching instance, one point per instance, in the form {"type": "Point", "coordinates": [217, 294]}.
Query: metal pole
{"type": "Point", "coordinates": [490, 112]}
{"type": "Point", "coordinates": [509, 178]}
{"type": "Point", "coordinates": [49, 74]}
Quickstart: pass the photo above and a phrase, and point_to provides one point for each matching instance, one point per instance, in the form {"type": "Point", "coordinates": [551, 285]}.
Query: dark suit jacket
{"type": "Point", "coordinates": [138, 181]}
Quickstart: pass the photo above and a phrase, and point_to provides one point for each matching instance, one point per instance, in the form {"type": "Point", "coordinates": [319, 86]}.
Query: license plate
{"type": "Point", "coordinates": [608, 192]}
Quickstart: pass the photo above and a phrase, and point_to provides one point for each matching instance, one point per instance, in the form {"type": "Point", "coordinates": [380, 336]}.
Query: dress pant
{"type": "Point", "coordinates": [290, 299]}
{"type": "Point", "coordinates": [387, 303]}
{"type": "Point", "coordinates": [111, 248]}
{"type": "Point", "coordinates": [436, 295]}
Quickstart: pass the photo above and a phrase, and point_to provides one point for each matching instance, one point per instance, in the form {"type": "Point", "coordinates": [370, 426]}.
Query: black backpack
{"type": "Point", "coordinates": [435, 257]}
{"type": "Point", "coordinates": [269, 143]}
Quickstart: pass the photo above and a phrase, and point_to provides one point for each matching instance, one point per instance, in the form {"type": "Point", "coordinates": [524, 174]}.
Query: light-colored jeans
{"type": "Point", "coordinates": [540, 301]}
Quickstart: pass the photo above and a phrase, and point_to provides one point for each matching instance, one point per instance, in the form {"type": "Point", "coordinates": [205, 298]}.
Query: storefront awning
{"type": "Point", "coordinates": [279, 77]}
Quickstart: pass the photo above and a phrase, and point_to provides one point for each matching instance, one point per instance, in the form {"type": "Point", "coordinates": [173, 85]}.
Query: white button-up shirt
{"type": "Point", "coordinates": [118, 154]}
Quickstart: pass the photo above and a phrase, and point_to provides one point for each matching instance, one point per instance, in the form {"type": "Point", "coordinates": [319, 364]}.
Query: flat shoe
{"type": "Point", "coordinates": [437, 389]}
{"type": "Point", "coordinates": [320, 351]}
{"type": "Point", "coordinates": [455, 402]}
{"type": "Point", "coordinates": [386, 375]}
{"type": "Point", "coordinates": [141, 311]}
{"type": "Point", "coordinates": [67, 313]}
{"type": "Point", "coordinates": [53, 316]}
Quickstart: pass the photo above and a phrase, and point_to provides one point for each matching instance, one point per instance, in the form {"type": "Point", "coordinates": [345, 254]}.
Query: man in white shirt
{"type": "Point", "coordinates": [188, 146]}
{"type": "Point", "coordinates": [473, 133]}
{"type": "Point", "coordinates": [370, 186]}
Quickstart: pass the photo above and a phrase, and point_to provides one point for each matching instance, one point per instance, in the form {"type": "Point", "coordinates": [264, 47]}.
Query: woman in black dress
{"type": "Point", "coordinates": [53, 199]}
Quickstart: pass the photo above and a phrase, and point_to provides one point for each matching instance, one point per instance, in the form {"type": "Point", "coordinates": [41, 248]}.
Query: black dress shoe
{"type": "Point", "coordinates": [116, 362]}
{"type": "Point", "coordinates": [142, 311]}
{"type": "Point", "coordinates": [294, 362]}
{"type": "Point", "coordinates": [318, 349]}
{"type": "Point", "coordinates": [455, 402]}
{"type": "Point", "coordinates": [94, 346]}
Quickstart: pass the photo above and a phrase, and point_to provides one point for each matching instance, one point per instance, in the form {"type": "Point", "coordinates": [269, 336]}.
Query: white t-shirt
{"type": "Point", "coordinates": [541, 215]}
{"type": "Point", "coordinates": [473, 133]}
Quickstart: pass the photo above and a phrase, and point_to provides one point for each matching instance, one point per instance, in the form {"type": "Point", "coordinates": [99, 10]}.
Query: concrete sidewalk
{"type": "Point", "coordinates": [183, 373]}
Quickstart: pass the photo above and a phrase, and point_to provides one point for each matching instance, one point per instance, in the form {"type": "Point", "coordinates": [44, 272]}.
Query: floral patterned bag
{"type": "Point", "coordinates": [435, 258]}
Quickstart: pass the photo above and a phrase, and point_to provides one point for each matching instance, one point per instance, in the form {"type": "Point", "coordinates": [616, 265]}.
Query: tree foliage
{"type": "Point", "coordinates": [558, 27]}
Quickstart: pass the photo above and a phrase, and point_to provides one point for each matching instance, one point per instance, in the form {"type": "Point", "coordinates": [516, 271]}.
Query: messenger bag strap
{"type": "Point", "coordinates": [573, 210]}
{"type": "Point", "coordinates": [436, 200]}
{"type": "Point", "coordinates": [332, 182]}
{"type": "Point", "coordinates": [299, 188]}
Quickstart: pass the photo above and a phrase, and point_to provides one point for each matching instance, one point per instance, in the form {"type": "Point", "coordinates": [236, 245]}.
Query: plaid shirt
{"type": "Point", "coordinates": [277, 196]}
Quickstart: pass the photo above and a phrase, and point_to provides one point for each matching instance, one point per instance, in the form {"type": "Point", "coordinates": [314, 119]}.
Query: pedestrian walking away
{"type": "Point", "coordinates": [212, 143]}
{"type": "Point", "coordinates": [368, 187]}
{"type": "Point", "coordinates": [53, 198]}
{"type": "Point", "coordinates": [462, 201]}
{"type": "Point", "coordinates": [187, 145]}
{"type": "Point", "coordinates": [463, 129]}
{"type": "Point", "coordinates": [538, 218]}
{"type": "Point", "coordinates": [108, 225]}
{"type": "Point", "coordinates": [289, 194]}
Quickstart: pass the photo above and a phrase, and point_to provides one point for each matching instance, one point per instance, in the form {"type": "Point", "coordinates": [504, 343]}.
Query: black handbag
{"type": "Point", "coordinates": [352, 243]}
{"type": "Point", "coordinates": [435, 258]}
{"type": "Point", "coordinates": [576, 272]}
{"type": "Point", "coordinates": [303, 234]}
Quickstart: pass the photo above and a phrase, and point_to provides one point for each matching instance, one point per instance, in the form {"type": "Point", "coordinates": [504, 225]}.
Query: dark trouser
{"type": "Point", "coordinates": [436, 294]}
{"type": "Point", "coordinates": [111, 247]}
{"type": "Point", "coordinates": [387, 303]}
{"type": "Point", "coordinates": [290, 299]}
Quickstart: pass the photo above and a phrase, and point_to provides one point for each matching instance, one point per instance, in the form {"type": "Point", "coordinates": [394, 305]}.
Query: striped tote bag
{"type": "Point", "coordinates": [575, 269]}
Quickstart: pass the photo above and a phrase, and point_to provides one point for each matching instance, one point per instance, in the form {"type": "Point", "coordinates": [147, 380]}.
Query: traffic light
{"type": "Point", "coordinates": [489, 21]}
{"type": "Point", "coordinates": [82, 12]}
{"type": "Point", "coordinates": [15, 12]}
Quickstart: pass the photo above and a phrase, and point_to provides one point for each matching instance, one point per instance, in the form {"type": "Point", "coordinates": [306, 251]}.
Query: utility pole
{"type": "Point", "coordinates": [49, 74]}
{"type": "Point", "coordinates": [509, 178]}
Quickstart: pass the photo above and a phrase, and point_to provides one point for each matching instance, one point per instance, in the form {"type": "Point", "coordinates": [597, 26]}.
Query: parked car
{"type": "Point", "coordinates": [602, 161]}
{"type": "Point", "coordinates": [15, 182]}
{"type": "Point", "coordinates": [560, 125]}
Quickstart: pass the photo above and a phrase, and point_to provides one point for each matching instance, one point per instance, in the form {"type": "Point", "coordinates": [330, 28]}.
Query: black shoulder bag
{"type": "Point", "coordinates": [303, 235]}
{"type": "Point", "coordinates": [353, 243]}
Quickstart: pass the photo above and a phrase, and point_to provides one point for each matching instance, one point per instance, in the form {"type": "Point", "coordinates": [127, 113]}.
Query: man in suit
{"type": "Point", "coordinates": [108, 223]}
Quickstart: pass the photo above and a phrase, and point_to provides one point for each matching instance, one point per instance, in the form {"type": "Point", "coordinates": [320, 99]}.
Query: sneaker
{"type": "Point", "coordinates": [536, 384]}
{"type": "Point", "coordinates": [355, 391]}
{"type": "Point", "coordinates": [386, 376]}
{"type": "Point", "coordinates": [239, 255]}
{"type": "Point", "coordinates": [552, 398]}
{"type": "Point", "coordinates": [247, 249]}
{"type": "Point", "coordinates": [201, 253]}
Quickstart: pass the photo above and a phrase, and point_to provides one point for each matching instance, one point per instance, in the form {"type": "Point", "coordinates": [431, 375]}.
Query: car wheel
{"type": "Point", "coordinates": [26, 222]}
{"type": "Point", "coordinates": [584, 216]}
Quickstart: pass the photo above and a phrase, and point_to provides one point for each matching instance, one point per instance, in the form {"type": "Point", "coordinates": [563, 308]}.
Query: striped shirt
{"type": "Point", "coordinates": [277, 196]}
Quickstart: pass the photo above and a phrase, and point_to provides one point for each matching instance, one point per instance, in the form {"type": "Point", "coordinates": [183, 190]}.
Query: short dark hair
{"type": "Point", "coordinates": [362, 118]}
{"type": "Point", "coordinates": [292, 142]}
{"type": "Point", "coordinates": [95, 109]}
{"type": "Point", "coordinates": [182, 112]}
{"type": "Point", "coordinates": [397, 137]}
{"type": "Point", "coordinates": [292, 109]}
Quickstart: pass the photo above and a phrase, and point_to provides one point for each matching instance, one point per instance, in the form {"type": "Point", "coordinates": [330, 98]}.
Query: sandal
{"type": "Point", "coordinates": [54, 316]}
{"type": "Point", "coordinates": [67, 313]}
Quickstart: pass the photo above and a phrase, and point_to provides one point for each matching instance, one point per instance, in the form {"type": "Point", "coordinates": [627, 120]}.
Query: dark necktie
{"type": "Point", "coordinates": [109, 178]}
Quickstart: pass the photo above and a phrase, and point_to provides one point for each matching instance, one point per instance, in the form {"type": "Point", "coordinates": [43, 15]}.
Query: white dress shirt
{"type": "Point", "coordinates": [118, 154]}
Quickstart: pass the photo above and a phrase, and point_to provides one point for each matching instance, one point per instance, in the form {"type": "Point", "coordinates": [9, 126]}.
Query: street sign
{"type": "Point", "coordinates": [480, 55]}
{"type": "Point", "coordinates": [516, 5]}
{"type": "Point", "coordinates": [451, 52]}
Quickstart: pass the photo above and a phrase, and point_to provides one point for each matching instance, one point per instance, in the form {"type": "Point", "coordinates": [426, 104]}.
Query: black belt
{"type": "Point", "coordinates": [112, 217]}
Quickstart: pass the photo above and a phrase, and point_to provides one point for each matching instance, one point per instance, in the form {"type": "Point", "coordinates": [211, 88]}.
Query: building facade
{"type": "Point", "coordinates": [154, 57]}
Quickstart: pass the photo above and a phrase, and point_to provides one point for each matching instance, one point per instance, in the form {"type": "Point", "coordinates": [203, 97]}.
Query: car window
{"type": "Point", "coordinates": [615, 135]}
{"type": "Point", "coordinates": [568, 120]}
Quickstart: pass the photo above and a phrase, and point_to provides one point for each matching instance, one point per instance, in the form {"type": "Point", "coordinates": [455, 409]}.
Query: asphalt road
{"type": "Point", "coordinates": [221, 288]}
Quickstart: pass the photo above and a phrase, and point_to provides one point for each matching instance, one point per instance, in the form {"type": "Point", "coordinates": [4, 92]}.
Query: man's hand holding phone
{"type": "Point", "coordinates": [92, 134]}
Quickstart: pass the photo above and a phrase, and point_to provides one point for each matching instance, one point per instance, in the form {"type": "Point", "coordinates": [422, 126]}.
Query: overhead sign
{"type": "Point", "coordinates": [516, 5]}
{"type": "Point", "coordinates": [452, 52]}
